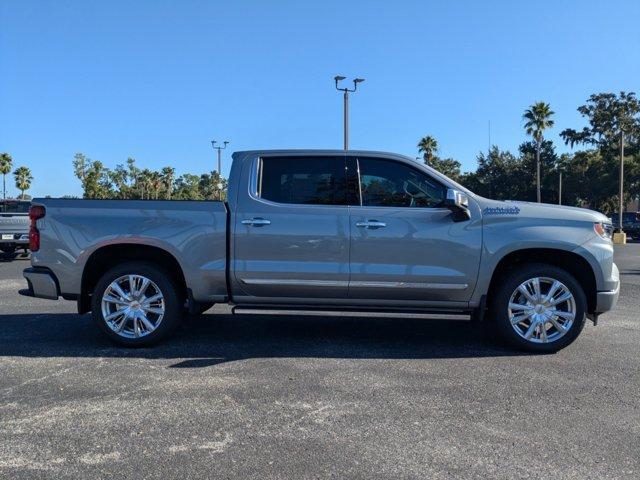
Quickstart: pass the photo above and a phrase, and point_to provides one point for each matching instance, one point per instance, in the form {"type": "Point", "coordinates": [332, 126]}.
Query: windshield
{"type": "Point", "coordinates": [14, 206]}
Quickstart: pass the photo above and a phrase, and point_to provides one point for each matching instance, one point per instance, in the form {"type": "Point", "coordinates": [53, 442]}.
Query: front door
{"type": "Point", "coordinates": [291, 230]}
{"type": "Point", "coordinates": [404, 244]}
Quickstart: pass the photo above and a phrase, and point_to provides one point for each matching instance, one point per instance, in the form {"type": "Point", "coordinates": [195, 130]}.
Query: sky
{"type": "Point", "coordinates": [158, 80]}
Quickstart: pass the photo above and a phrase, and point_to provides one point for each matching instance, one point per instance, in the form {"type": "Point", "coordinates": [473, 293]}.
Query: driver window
{"type": "Point", "coordinates": [385, 183]}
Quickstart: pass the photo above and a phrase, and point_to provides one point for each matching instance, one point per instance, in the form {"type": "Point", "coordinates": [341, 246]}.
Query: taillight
{"type": "Point", "coordinates": [36, 212]}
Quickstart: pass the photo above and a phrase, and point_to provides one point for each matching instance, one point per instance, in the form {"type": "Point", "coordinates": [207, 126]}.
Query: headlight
{"type": "Point", "coordinates": [604, 230]}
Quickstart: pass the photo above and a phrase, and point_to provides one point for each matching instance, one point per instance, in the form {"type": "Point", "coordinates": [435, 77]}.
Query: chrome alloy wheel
{"type": "Point", "coordinates": [542, 310]}
{"type": "Point", "coordinates": [133, 306]}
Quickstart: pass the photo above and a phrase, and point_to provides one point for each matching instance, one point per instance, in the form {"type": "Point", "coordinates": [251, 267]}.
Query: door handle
{"type": "Point", "coordinates": [256, 222]}
{"type": "Point", "coordinates": [371, 224]}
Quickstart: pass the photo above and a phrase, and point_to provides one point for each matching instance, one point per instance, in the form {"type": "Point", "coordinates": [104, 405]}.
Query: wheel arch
{"type": "Point", "coordinates": [574, 263]}
{"type": "Point", "coordinates": [108, 256]}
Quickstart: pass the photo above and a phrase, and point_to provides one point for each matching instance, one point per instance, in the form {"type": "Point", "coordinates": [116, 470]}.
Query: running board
{"type": "Point", "coordinates": [258, 309]}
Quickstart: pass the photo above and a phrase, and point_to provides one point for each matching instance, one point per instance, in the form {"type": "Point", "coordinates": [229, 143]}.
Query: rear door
{"type": "Point", "coordinates": [291, 232]}
{"type": "Point", "coordinates": [405, 244]}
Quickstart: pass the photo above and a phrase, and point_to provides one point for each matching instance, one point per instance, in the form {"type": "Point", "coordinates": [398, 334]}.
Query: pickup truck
{"type": "Point", "coordinates": [14, 225]}
{"type": "Point", "coordinates": [327, 230]}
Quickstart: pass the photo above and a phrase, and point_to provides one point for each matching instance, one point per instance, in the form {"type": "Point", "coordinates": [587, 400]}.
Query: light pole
{"type": "Point", "coordinates": [560, 187]}
{"type": "Point", "coordinates": [346, 91]}
{"type": "Point", "coordinates": [621, 206]}
{"type": "Point", "coordinates": [219, 149]}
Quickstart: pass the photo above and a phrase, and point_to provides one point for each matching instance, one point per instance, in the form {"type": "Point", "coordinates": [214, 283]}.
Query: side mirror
{"type": "Point", "coordinates": [458, 203]}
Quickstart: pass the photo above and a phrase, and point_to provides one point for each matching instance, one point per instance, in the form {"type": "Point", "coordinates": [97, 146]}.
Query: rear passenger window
{"type": "Point", "coordinates": [303, 180]}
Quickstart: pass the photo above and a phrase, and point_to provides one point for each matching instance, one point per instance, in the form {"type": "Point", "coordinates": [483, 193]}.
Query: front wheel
{"type": "Point", "coordinates": [539, 308]}
{"type": "Point", "coordinates": [136, 304]}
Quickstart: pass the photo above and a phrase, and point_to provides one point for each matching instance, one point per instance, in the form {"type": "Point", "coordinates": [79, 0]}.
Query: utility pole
{"type": "Point", "coordinates": [219, 149]}
{"type": "Point", "coordinates": [346, 91]}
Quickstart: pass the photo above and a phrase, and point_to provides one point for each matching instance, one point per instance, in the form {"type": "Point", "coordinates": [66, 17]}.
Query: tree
{"type": "Point", "coordinates": [447, 166]}
{"type": "Point", "coordinates": [6, 163]}
{"type": "Point", "coordinates": [212, 186]}
{"type": "Point", "coordinates": [498, 176]}
{"type": "Point", "coordinates": [187, 187]}
{"type": "Point", "coordinates": [135, 190]}
{"type": "Point", "coordinates": [532, 154]}
{"type": "Point", "coordinates": [538, 119]}
{"type": "Point", "coordinates": [428, 146]}
{"type": "Point", "coordinates": [94, 176]}
{"type": "Point", "coordinates": [168, 174]}
{"type": "Point", "coordinates": [613, 120]}
{"type": "Point", "coordinates": [119, 179]}
{"type": "Point", "coordinates": [23, 178]}
{"type": "Point", "coordinates": [144, 178]}
{"type": "Point", "coordinates": [450, 167]}
{"type": "Point", "coordinates": [155, 181]}
{"type": "Point", "coordinates": [80, 166]}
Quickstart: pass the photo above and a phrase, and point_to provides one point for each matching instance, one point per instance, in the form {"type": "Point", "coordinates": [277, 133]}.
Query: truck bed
{"type": "Point", "coordinates": [193, 232]}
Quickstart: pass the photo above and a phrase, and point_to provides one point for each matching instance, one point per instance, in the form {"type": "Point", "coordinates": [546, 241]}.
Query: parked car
{"type": "Point", "coordinates": [630, 223]}
{"type": "Point", "coordinates": [14, 225]}
{"type": "Point", "coordinates": [327, 230]}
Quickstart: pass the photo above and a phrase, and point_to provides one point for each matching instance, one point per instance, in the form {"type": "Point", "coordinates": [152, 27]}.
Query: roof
{"type": "Point", "coordinates": [320, 151]}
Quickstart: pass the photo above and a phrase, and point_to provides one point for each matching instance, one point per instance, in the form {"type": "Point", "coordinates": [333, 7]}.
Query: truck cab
{"type": "Point", "coordinates": [352, 229]}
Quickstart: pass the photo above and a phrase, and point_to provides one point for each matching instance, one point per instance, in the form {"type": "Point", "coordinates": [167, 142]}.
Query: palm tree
{"type": "Point", "coordinates": [428, 146]}
{"type": "Point", "coordinates": [23, 179]}
{"type": "Point", "coordinates": [168, 174]}
{"type": "Point", "coordinates": [6, 162]}
{"type": "Point", "coordinates": [155, 181]}
{"type": "Point", "coordinates": [144, 178]}
{"type": "Point", "coordinates": [538, 119]}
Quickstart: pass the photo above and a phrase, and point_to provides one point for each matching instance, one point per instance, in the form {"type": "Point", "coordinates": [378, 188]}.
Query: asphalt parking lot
{"type": "Point", "coordinates": [290, 396]}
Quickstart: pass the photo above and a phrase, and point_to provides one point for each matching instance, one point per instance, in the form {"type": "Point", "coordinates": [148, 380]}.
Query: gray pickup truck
{"type": "Point", "coordinates": [327, 230]}
{"type": "Point", "coordinates": [14, 225]}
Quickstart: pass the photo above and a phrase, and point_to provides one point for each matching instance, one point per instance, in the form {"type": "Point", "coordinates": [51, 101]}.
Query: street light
{"type": "Point", "coordinates": [219, 148]}
{"type": "Point", "coordinates": [346, 91]}
{"type": "Point", "coordinates": [621, 205]}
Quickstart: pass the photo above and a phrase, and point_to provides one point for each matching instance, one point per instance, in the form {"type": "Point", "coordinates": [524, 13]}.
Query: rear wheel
{"type": "Point", "coordinates": [539, 308]}
{"type": "Point", "coordinates": [136, 304]}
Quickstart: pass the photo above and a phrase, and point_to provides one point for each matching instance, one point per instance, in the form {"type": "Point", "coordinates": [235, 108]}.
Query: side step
{"type": "Point", "coordinates": [459, 314]}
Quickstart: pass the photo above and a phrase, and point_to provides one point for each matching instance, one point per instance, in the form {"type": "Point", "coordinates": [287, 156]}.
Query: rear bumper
{"type": "Point", "coordinates": [16, 239]}
{"type": "Point", "coordinates": [41, 282]}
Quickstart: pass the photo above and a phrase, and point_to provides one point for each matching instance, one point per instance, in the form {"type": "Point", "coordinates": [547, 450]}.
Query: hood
{"type": "Point", "coordinates": [512, 208]}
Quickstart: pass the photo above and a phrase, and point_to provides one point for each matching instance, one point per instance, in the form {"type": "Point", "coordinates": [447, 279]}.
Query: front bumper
{"type": "Point", "coordinates": [607, 300]}
{"type": "Point", "coordinates": [42, 283]}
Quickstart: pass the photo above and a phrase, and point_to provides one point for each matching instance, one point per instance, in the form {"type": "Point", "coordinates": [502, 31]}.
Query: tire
{"type": "Point", "coordinates": [160, 304]}
{"type": "Point", "coordinates": [8, 250]}
{"type": "Point", "coordinates": [554, 328]}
